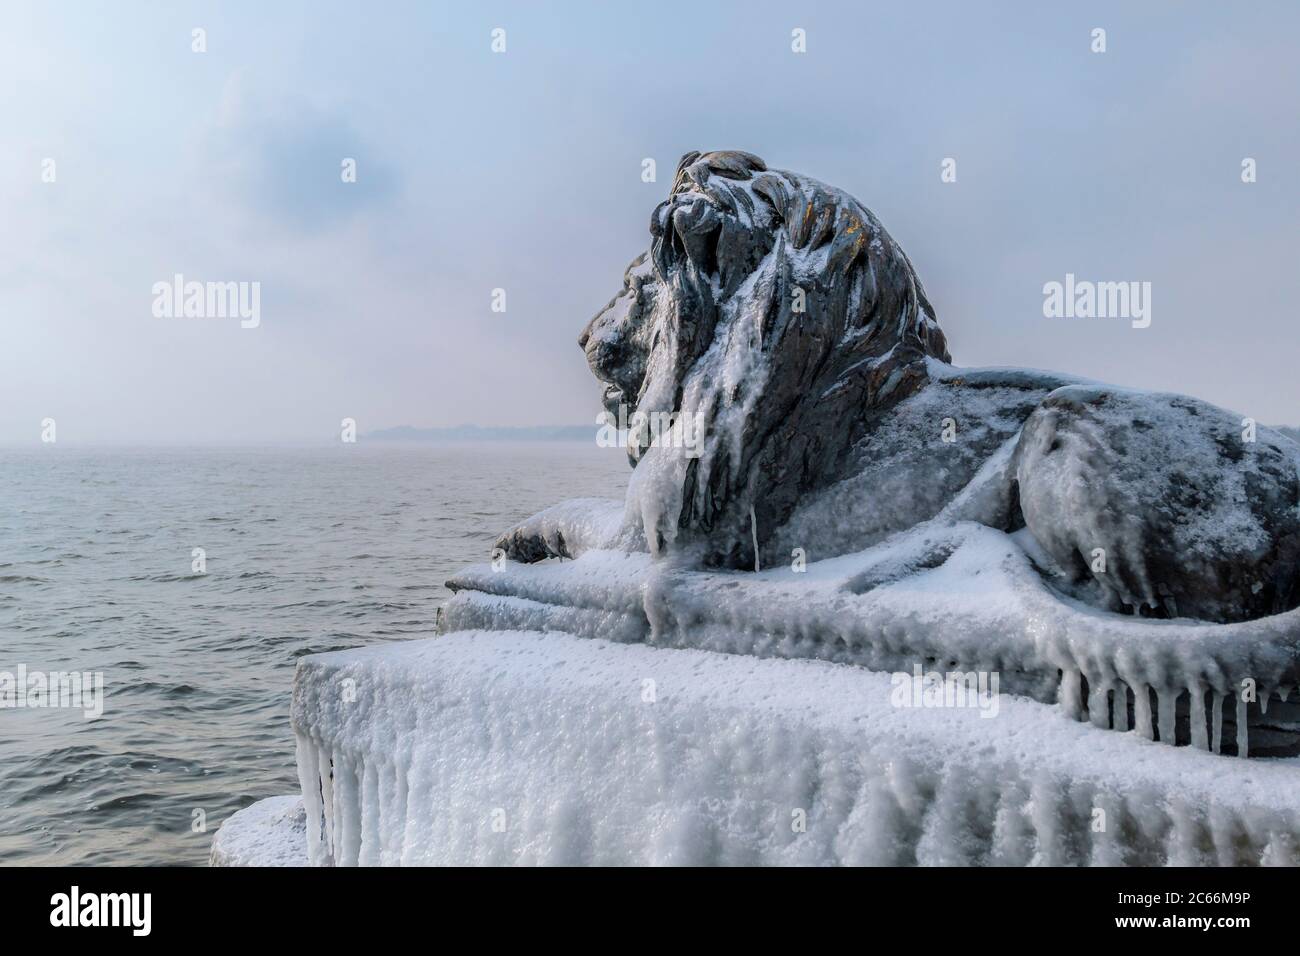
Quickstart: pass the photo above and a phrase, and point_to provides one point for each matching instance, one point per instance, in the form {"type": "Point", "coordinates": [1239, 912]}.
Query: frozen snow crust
{"type": "Point", "coordinates": [529, 748]}
{"type": "Point", "coordinates": [957, 596]}
{"type": "Point", "coordinates": [271, 832]}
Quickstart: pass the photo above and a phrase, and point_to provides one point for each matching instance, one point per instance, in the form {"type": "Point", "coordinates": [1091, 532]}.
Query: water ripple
{"type": "Point", "coordinates": [306, 551]}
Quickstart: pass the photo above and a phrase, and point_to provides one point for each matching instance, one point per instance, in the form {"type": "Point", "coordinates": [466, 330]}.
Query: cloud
{"type": "Point", "coordinates": [282, 157]}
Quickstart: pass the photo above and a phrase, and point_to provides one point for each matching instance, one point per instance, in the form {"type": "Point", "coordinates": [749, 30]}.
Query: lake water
{"type": "Point", "coordinates": [306, 550]}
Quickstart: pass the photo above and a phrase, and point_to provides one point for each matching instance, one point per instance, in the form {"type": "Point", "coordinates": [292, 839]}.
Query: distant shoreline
{"type": "Point", "coordinates": [459, 433]}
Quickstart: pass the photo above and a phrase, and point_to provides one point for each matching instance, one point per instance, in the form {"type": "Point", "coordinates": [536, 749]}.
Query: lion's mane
{"type": "Point", "coordinates": [776, 313]}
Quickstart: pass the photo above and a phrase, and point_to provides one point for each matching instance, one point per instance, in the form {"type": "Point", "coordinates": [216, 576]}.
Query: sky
{"type": "Point", "coordinates": [522, 170]}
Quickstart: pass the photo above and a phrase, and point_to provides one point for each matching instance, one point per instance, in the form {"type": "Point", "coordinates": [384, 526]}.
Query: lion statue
{"type": "Point", "coordinates": [785, 388]}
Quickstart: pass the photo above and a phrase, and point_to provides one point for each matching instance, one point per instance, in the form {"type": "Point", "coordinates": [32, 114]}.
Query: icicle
{"type": "Point", "coordinates": [1048, 815]}
{"type": "Point", "coordinates": [1263, 700]}
{"type": "Point", "coordinates": [1166, 699]}
{"type": "Point", "coordinates": [1197, 715]}
{"type": "Point", "coordinates": [1225, 828]}
{"type": "Point", "coordinates": [1243, 742]}
{"type": "Point", "coordinates": [371, 812]}
{"type": "Point", "coordinates": [753, 530]}
{"type": "Point", "coordinates": [352, 807]}
{"type": "Point", "coordinates": [1106, 844]}
{"type": "Point", "coordinates": [1217, 706]}
{"type": "Point", "coordinates": [1070, 693]}
{"type": "Point", "coordinates": [1013, 834]}
{"type": "Point", "coordinates": [403, 792]}
{"type": "Point", "coordinates": [1284, 692]}
{"type": "Point", "coordinates": [1098, 704]}
{"type": "Point", "coordinates": [1183, 845]}
{"type": "Point", "coordinates": [310, 782]}
{"type": "Point", "coordinates": [342, 810]}
{"type": "Point", "coordinates": [327, 799]}
{"type": "Point", "coordinates": [1142, 711]}
{"type": "Point", "coordinates": [393, 810]}
{"type": "Point", "coordinates": [1119, 708]}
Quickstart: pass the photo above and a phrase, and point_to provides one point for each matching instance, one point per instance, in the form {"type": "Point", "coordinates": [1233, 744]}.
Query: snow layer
{"type": "Point", "coordinates": [271, 832]}
{"type": "Point", "coordinates": [567, 529]}
{"type": "Point", "coordinates": [1196, 517]}
{"type": "Point", "coordinates": [959, 594]}
{"type": "Point", "coordinates": [523, 748]}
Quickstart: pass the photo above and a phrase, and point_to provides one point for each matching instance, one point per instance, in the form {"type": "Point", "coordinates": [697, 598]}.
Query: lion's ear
{"type": "Point", "coordinates": [686, 160]}
{"type": "Point", "coordinates": [735, 164]}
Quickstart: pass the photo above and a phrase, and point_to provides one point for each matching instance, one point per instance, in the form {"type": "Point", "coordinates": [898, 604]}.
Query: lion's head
{"type": "Point", "coordinates": [775, 315]}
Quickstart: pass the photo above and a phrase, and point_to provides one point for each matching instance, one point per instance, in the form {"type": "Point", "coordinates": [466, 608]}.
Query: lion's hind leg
{"type": "Point", "coordinates": [1161, 500]}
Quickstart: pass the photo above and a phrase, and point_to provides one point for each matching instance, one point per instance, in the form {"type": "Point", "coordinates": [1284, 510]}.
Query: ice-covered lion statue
{"type": "Point", "coordinates": [787, 389]}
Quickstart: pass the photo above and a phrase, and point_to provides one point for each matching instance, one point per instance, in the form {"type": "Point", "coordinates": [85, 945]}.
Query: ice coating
{"type": "Point", "coordinates": [776, 324]}
{"type": "Point", "coordinates": [568, 529]}
{"type": "Point", "coordinates": [775, 317]}
{"type": "Point", "coordinates": [495, 748]}
{"type": "Point", "coordinates": [919, 459]}
{"type": "Point", "coordinates": [1107, 472]}
{"type": "Point", "coordinates": [720, 392]}
{"type": "Point", "coordinates": [959, 593]}
{"type": "Point", "coordinates": [271, 832]}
